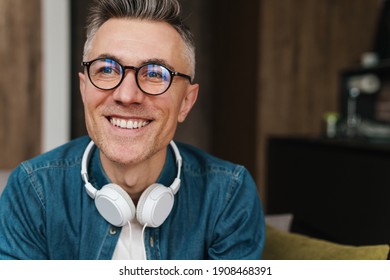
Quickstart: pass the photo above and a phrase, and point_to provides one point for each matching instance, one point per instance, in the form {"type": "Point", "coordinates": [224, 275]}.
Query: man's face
{"type": "Point", "coordinates": [134, 42]}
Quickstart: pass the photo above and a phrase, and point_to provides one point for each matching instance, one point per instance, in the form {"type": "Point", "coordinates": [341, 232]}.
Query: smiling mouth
{"type": "Point", "coordinates": [128, 124]}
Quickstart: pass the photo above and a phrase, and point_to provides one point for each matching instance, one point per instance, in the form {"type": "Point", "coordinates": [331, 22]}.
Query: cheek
{"type": "Point", "coordinates": [88, 108]}
{"type": "Point", "coordinates": [92, 102]}
{"type": "Point", "coordinates": [169, 111]}
{"type": "Point", "coordinates": [88, 92]}
{"type": "Point", "coordinates": [91, 98]}
{"type": "Point", "coordinates": [174, 109]}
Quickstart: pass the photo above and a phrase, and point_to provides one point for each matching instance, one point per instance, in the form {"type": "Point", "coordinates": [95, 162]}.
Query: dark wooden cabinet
{"type": "Point", "coordinates": [338, 190]}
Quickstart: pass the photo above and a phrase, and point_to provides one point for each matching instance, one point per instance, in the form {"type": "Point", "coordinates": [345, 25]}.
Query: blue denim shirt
{"type": "Point", "coordinates": [45, 212]}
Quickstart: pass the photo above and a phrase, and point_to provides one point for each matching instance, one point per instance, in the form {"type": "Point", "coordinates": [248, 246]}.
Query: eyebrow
{"type": "Point", "coordinates": [160, 61]}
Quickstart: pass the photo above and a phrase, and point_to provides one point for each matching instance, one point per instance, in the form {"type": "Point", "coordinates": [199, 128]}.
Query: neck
{"type": "Point", "coordinates": [136, 177]}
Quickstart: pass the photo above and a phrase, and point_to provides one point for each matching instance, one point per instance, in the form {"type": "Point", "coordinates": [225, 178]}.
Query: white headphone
{"type": "Point", "coordinates": [116, 206]}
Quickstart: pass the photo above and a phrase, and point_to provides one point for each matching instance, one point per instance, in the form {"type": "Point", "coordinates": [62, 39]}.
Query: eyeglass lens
{"type": "Point", "coordinates": [108, 74]}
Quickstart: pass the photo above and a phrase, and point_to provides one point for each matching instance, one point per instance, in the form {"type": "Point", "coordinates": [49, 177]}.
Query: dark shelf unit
{"type": "Point", "coordinates": [337, 190]}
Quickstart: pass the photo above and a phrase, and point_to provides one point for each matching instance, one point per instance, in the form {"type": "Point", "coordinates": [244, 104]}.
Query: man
{"type": "Point", "coordinates": [137, 85]}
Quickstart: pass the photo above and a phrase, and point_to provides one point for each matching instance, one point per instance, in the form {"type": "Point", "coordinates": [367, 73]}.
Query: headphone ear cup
{"type": "Point", "coordinates": [154, 205]}
{"type": "Point", "coordinates": [115, 205]}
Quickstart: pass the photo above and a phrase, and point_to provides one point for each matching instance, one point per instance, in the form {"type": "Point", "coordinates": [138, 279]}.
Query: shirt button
{"type": "Point", "coordinates": [112, 230]}
{"type": "Point", "coordinates": [151, 242]}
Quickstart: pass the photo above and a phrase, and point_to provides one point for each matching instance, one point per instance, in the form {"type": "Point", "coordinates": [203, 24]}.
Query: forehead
{"type": "Point", "coordinates": [134, 41]}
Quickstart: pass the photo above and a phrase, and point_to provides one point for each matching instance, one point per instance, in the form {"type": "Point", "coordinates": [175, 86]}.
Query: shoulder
{"type": "Point", "coordinates": [197, 160]}
{"type": "Point", "coordinates": [49, 168]}
{"type": "Point", "coordinates": [66, 155]}
{"type": "Point", "coordinates": [199, 163]}
{"type": "Point", "coordinates": [39, 177]}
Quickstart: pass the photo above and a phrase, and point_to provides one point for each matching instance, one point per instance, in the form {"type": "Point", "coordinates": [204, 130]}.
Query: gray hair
{"type": "Point", "coordinates": [156, 10]}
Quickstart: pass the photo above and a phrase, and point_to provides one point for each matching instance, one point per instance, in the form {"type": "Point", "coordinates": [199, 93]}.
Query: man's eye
{"type": "Point", "coordinates": [154, 75]}
{"type": "Point", "coordinates": [106, 70]}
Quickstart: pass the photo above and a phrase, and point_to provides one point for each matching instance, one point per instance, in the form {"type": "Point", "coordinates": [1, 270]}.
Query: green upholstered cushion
{"type": "Point", "coordinates": [282, 245]}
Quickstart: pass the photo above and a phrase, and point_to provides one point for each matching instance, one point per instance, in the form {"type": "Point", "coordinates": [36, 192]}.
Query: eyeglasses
{"type": "Point", "coordinates": [151, 78]}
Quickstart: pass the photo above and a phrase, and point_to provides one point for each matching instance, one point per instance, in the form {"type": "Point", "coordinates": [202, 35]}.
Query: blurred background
{"type": "Point", "coordinates": [267, 68]}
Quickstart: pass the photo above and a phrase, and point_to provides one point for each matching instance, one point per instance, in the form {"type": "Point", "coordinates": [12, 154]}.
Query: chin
{"type": "Point", "coordinates": [124, 155]}
{"type": "Point", "coordinates": [127, 153]}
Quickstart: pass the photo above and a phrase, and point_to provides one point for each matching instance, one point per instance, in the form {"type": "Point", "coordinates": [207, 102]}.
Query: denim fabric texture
{"type": "Point", "coordinates": [45, 212]}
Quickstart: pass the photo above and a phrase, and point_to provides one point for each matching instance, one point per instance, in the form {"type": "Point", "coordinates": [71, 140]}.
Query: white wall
{"type": "Point", "coordinates": [56, 73]}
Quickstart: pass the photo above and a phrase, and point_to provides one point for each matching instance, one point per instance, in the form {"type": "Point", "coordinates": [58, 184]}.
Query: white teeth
{"type": "Point", "coordinates": [128, 124]}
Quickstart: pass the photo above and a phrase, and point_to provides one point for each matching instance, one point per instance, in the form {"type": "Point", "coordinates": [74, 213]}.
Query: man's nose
{"type": "Point", "coordinates": [128, 91]}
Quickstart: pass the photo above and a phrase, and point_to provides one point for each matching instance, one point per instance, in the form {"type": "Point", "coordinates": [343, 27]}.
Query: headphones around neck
{"type": "Point", "coordinates": [117, 207]}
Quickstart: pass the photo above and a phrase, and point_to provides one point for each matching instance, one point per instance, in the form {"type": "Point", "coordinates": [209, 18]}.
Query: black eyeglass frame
{"type": "Point", "coordinates": [87, 64]}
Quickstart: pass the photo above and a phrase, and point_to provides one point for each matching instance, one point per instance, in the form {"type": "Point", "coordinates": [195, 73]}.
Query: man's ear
{"type": "Point", "coordinates": [82, 85]}
{"type": "Point", "coordinates": [188, 101]}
